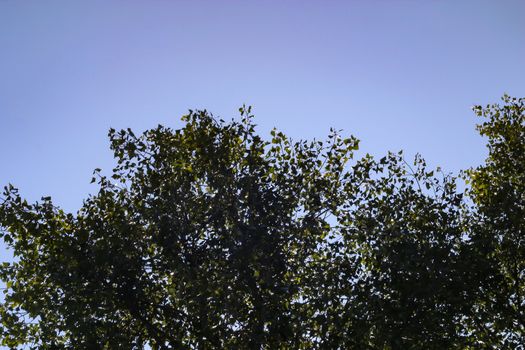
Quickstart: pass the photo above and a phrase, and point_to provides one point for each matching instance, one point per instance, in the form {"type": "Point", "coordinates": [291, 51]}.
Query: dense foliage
{"type": "Point", "coordinates": [209, 237]}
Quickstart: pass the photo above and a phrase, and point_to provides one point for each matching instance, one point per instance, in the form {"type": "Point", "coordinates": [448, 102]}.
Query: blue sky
{"type": "Point", "coordinates": [397, 74]}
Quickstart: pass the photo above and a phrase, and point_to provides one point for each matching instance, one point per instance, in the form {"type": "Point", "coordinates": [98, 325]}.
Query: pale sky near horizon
{"type": "Point", "coordinates": [396, 74]}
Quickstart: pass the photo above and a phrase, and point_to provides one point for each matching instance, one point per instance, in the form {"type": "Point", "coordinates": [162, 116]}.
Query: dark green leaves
{"type": "Point", "coordinates": [209, 237]}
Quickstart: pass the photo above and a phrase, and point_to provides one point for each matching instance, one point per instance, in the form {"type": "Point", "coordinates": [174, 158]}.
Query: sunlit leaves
{"type": "Point", "coordinates": [498, 192]}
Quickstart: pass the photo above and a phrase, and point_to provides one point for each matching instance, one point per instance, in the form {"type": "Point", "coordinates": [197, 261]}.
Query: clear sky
{"type": "Point", "coordinates": [397, 74]}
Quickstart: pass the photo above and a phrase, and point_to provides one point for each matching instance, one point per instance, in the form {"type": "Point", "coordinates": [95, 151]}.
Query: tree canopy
{"type": "Point", "coordinates": [210, 237]}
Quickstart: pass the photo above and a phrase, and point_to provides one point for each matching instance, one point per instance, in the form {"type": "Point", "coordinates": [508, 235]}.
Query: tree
{"type": "Point", "coordinates": [210, 237]}
{"type": "Point", "coordinates": [498, 192]}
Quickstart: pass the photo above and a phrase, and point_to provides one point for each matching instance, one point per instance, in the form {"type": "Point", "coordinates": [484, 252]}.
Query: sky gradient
{"type": "Point", "coordinates": [396, 74]}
